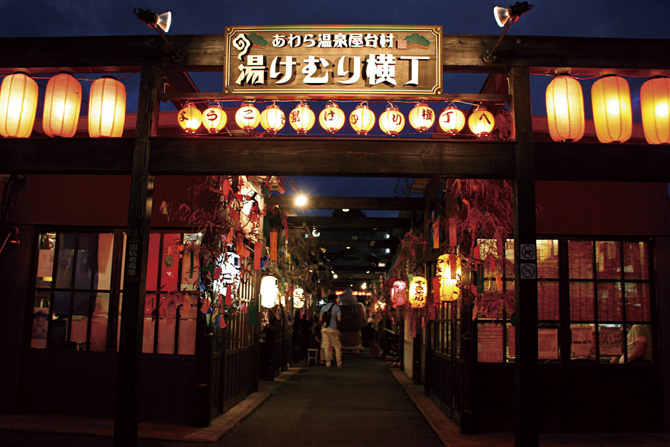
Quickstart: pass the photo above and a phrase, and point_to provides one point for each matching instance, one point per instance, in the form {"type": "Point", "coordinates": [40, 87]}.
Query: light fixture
{"type": "Point", "coordinates": [451, 120]}
{"type": "Point", "coordinates": [398, 292]}
{"type": "Point", "coordinates": [418, 292]}
{"type": "Point", "coordinates": [315, 232]}
{"type": "Point", "coordinates": [298, 298]}
{"type": "Point", "coordinates": [448, 271]}
{"type": "Point", "coordinates": [161, 23]}
{"type": "Point", "coordinates": [190, 118]}
{"type": "Point", "coordinates": [565, 109]}
{"type": "Point", "coordinates": [301, 200]}
{"type": "Point", "coordinates": [612, 111]}
{"type": "Point", "coordinates": [655, 106]}
{"type": "Point", "coordinates": [247, 117]}
{"type": "Point", "coordinates": [364, 286]}
{"type": "Point", "coordinates": [272, 119]}
{"type": "Point", "coordinates": [301, 118]}
{"type": "Point", "coordinates": [332, 118]}
{"type": "Point", "coordinates": [214, 119]}
{"type": "Point", "coordinates": [106, 108]}
{"type": "Point", "coordinates": [504, 18]}
{"type": "Point", "coordinates": [391, 121]}
{"type": "Point", "coordinates": [362, 119]}
{"type": "Point", "coordinates": [18, 105]}
{"type": "Point", "coordinates": [421, 117]}
{"type": "Point", "coordinates": [345, 210]}
{"type": "Point", "coordinates": [269, 292]}
{"type": "Point", "coordinates": [481, 122]}
{"type": "Point", "coordinates": [62, 103]}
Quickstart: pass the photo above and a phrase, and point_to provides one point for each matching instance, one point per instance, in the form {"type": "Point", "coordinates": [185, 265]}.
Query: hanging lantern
{"type": "Point", "coordinates": [481, 122]}
{"type": "Point", "coordinates": [214, 119]}
{"type": "Point", "coordinates": [655, 105]}
{"type": "Point", "coordinates": [298, 298]}
{"type": "Point", "coordinates": [18, 105]}
{"type": "Point", "coordinates": [391, 122]}
{"type": "Point", "coordinates": [247, 117]}
{"type": "Point", "coordinates": [190, 118]}
{"type": "Point", "coordinates": [421, 117]}
{"type": "Point", "coordinates": [106, 108]}
{"type": "Point", "coordinates": [612, 111]}
{"type": "Point", "coordinates": [62, 103]}
{"type": "Point", "coordinates": [272, 119]}
{"type": "Point", "coordinates": [448, 272]}
{"type": "Point", "coordinates": [332, 118]}
{"type": "Point", "coordinates": [418, 291]}
{"type": "Point", "coordinates": [398, 293]}
{"type": "Point", "coordinates": [452, 120]}
{"type": "Point", "coordinates": [269, 291]}
{"type": "Point", "coordinates": [565, 109]}
{"type": "Point", "coordinates": [362, 119]}
{"type": "Point", "coordinates": [302, 118]}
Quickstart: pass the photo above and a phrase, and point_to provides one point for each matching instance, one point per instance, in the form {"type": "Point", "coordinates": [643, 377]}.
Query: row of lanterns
{"type": "Point", "coordinates": [448, 274]}
{"type": "Point", "coordinates": [62, 104]}
{"type": "Point", "coordinates": [612, 110]}
{"type": "Point", "coordinates": [332, 119]}
{"type": "Point", "coordinates": [270, 294]}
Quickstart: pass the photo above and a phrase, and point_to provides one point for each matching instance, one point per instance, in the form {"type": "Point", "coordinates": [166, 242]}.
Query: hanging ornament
{"type": "Point", "coordinates": [418, 292]}
{"type": "Point", "coordinates": [362, 119]}
{"type": "Point", "coordinates": [452, 120]}
{"type": "Point", "coordinates": [612, 110]}
{"type": "Point", "coordinates": [421, 117]}
{"type": "Point", "coordinates": [214, 119]}
{"type": "Point", "coordinates": [655, 105]}
{"type": "Point", "coordinates": [272, 119]}
{"type": "Point", "coordinates": [106, 108]}
{"type": "Point", "coordinates": [481, 122]}
{"type": "Point", "coordinates": [565, 109]}
{"type": "Point", "coordinates": [190, 118]}
{"type": "Point", "coordinates": [62, 103]}
{"type": "Point", "coordinates": [302, 118]}
{"type": "Point", "coordinates": [247, 117]}
{"type": "Point", "coordinates": [18, 105]}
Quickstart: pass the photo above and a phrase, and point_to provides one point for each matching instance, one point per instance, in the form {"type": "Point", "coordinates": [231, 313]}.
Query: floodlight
{"type": "Point", "coordinates": [504, 18]}
{"type": "Point", "coordinates": [153, 20]}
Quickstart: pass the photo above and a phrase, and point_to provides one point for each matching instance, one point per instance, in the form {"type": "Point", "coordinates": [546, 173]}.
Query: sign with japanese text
{"type": "Point", "coordinates": [350, 60]}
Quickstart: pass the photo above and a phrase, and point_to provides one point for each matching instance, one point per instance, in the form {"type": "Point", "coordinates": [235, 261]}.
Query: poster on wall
{"type": "Point", "coordinates": [582, 342]}
{"type": "Point", "coordinates": [40, 327]}
{"type": "Point", "coordinates": [547, 344]}
{"type": "Point", "coordinates": [489, 343]}
{"type": "Point", "coordinates": [609, 339]}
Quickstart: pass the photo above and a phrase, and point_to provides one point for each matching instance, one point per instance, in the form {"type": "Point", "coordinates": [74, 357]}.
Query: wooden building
{"type": "Point", "coordinates": [605, 217]}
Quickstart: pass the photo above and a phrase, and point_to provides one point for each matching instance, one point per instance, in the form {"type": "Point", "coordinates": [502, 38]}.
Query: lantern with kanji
{"type": "Point", "coordinates": [247, 117]}
{"type": "Point", "coordinates": [189, 118]}
{"type": "Point", "coordinates": [565, 109]}
{"type": "Point", "coordinates": [421, 117]}
{"type": "Point", "coordinates": [106, 108]}
{"type": "Point", "coordinates": [301, 118]}
{"type": "Point", "coordinates": [418, 291]}
{"type": "Point", "coordinates": [272, 119]}
{"type": "Point", "coordinates": [332, 118]}
{"type": "Point", "coordinates": [18, 105]}
{"type": "Point", "coordinates": [62, 103]}
{"type": "Point", "coordinates": [448, 272]}
{"type": "Point", "coordinates": [398, 292]}
{"type": "Point", "coordinates": [362, 119]}
{"type": "Point", "coordinates": [392, 121]}
{"type": "Point", "coordinates": [269, 291]}
{"type": "Point", "coordinates": [451, 120]}
{"type": "Point", "coordinates": [655, 105]}
{"type": "Point", "coordinates": [298, 298]}
{"type": "Point", "coordinates": [214, 119]}
{"type": "Point", "coordinates": [612, 110]}
{"type": "Point", "coordinates": [481, 122]}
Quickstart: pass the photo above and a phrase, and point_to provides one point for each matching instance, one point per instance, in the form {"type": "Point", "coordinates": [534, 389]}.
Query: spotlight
{"type": "Point", "coordinates": [504, 18]}
{"type": "Point", "coordinates": [153, 20]}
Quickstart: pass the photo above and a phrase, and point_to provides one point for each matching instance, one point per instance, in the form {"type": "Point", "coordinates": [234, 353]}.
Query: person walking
{"type": "Point", "coordinates": [330, 335]}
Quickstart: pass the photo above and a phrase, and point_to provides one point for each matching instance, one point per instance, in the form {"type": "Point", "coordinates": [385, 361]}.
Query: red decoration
{"type": "Point", "coordinates": [258, 246]}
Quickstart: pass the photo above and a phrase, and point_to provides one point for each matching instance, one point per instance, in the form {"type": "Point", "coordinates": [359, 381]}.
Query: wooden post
{"type": "Point", "coordinates": [137, 247]}
{"type": "Point", "coordinates": [526, 369]}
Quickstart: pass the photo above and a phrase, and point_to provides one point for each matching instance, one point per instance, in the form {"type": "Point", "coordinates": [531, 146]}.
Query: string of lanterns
{"type": "Point", "coordinates": [332, 119]}
{"type": "Point", "coordinates": [612, 110]}
{"type": "Point", "coordinates": [62, 104]}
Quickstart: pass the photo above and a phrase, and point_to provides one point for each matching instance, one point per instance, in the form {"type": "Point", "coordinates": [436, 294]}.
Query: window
{"type": "Point", "coordinates": [79, 292]}
{"type": "Point", "coordinates": [606, 291]}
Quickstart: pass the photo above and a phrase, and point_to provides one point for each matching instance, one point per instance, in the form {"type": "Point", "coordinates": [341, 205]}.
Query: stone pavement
{"type": "Point", "coordinates": [365, 403]}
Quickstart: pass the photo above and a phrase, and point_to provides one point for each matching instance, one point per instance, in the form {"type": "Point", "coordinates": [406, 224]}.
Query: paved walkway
{"type": "Point", "coordinates": [365, 403]}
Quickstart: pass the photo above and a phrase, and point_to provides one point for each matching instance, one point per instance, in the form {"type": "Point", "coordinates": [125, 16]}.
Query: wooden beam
{"type": "Point", "coordinates": [342, 243]}
{"type": "Point", "coordinates": [345, 156]}
{"type": "Point", "coordinates": [362, 157]}
{"type": "Point", "coordinates": [206, 52]}
{"type": "Point", "coordinates": [354, 203]}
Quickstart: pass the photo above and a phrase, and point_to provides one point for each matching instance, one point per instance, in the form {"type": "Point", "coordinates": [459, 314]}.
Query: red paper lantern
{"type": "Point", "coordinates": [18, 105]}
{"type": "Point", "coordinates": [418, 292]}
{"type": "Point", "coordinates": [62, 103]}
{"type": "Point", "coordinates": [481, 122]}
{"type": "Point", "coordinates": [190, 118]}
{"type": "Point", "coordinates": [655, 106]}
{"type": "Point", "coordinates": [612, 110]}
{"type": "Point", "coordinates": [565, 109]}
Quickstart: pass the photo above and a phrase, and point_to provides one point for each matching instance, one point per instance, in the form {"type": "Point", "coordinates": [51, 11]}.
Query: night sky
{"type": "Point", "coordinates": [581, 18]}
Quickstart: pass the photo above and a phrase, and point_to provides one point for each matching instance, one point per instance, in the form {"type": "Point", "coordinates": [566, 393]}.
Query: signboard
{"type": "Point", "coordinates": [329, 60]}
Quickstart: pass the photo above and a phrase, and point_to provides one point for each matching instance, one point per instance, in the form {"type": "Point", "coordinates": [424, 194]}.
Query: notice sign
{"type": "Point", "coordinates": [352, 60]}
